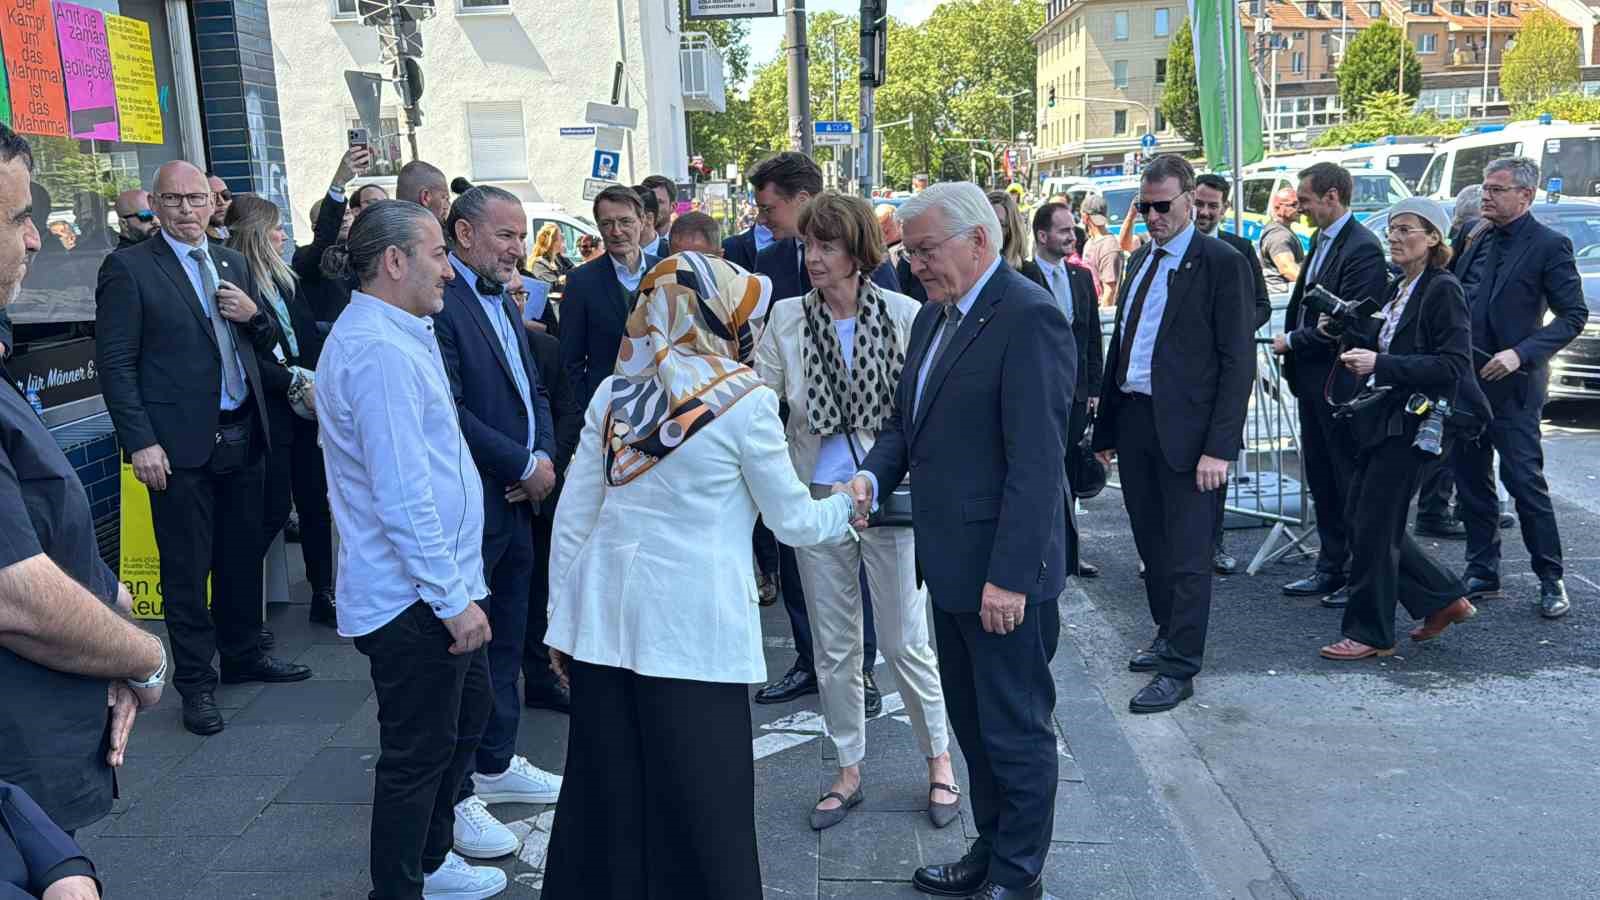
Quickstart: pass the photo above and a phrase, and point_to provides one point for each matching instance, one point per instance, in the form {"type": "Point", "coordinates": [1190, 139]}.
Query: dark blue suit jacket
{"type": "Point", "coordinates": [988, 490]}
{"type": "Point", "coordinates": [781, 263]}
{"type": "Point", "coordinates": [34, 851]}
{"type": "Point", "coordinates": [594, 317]}
{"type": "Point", "coordinates": [494, 420]}
{"type": "Point", "coordinates": [1535, 275]}
{"type": "Point", "coordinates": [741, 249]}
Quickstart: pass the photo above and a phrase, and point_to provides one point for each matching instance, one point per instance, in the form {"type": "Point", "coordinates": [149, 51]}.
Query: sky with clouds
{"type": "Point", "coordinates": [766, 35]}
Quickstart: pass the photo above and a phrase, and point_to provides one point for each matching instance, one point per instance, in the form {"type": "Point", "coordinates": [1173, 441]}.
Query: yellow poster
{"type": "Point", "coordinates": [140, 567]}
{"type": "Point", "coordinates": [134, 66]}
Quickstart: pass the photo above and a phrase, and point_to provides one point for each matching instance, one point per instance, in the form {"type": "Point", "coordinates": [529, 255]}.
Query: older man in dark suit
{"type": "Point", "coordinates": [505, 418]}
{"type": "Point", "coordinates": [181, 343]}
{"type": "Point", "coordinates": [1180, 368]}
{"type": "Point", "coordinates": [991, 520]}
{"type": "Point", "coordinates": [1516, 274]}
{"type": "Point", "coordinates": [600, 293]}
{"type": "Point", "coordinates": [1346, 259]}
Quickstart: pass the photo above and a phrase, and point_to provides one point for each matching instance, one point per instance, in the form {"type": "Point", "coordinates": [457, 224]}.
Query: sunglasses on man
{"type": "Point", "coordinates": [1160, 206]}
{"type": "Point", "coordinates": [143, 215]}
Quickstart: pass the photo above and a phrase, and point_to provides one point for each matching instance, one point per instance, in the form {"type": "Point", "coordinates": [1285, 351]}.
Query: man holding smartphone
{"type": "Point", "coordinates": [181, 340]}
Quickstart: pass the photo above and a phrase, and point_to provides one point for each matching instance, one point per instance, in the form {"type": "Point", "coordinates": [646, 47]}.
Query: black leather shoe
{"type": "Point", "coordinates": [874, 697]}
{"type": "Point", "coordinates": [1449, 529]}
{"type": "Point", "coordinates": [1482, 588]}
{"type": "Point", "coordinates": [1224, 562]}
{"type": "Point", "coordinates": [550, 695]}
{"type": "Point", "coordinates": [1145, 660]}
{"type": "Point", "coordinates": [268, 669]}
{"type": "Point", "coordinates": [794, 684]}
{"type": "Point", "coordinates": [291, 529]}
{"type": "Point", "coordinates": [1161, 694]}
{"type": "Point", "coordinates": [1553, 603]}
{"type": "Point", "coordinates": [1338, 599]}
{"type": "Point", "coordinates": [992, 891]}
{"type": "Point", "coordinates": [1317, 584]}
{"type": "Point", "coordinates": [201, 715]}
{"type": "Point", "coordinates": [1141, 568]}
{"type": "Point", "coordinates": [324, 610]}
{"type": "Point", "coordinates": [957, 879]}
{"type": "Point", "coordinates": [1507, 520]}
{"type": "Point", "coordinates": [268, 639]}
{"type": "Point", "coordinates": [1088, 570]}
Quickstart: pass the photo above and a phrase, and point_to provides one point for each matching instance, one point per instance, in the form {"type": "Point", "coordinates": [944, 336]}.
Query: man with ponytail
{"type": "Point", "coordinates": [409, 509]}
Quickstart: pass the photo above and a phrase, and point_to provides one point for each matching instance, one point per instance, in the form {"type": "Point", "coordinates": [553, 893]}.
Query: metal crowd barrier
{"type": "Point", "coordinates": [1265, 487]}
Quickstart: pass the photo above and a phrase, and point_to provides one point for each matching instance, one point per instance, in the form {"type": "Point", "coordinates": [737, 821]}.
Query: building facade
{"type": "Point", "coordinates": [502, 79]}
{"type": "Point", "coordinates": [1102, 67]}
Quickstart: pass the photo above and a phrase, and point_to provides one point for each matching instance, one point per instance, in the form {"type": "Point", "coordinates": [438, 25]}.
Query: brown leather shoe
{"type": "Point", "coordinates": [1348, 650]}
{"type": "Point", "coordinates": [1434, 625]}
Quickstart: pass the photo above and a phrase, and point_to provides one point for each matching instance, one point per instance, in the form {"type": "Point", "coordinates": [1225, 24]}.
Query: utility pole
{"type": "Point", "coordinates": [799, 78]}
{"type": "Point", "coordinates": [874, 45]}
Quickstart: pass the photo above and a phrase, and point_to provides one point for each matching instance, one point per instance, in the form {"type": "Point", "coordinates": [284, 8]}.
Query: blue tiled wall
{"type": "Point", "coordinates": [239, 92]}
{"type": "Point", "coordinates": [99, 467]}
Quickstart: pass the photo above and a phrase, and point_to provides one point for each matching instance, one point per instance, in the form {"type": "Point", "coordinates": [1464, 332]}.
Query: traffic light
{"type": "Point", "coordinates": [1052, 100]}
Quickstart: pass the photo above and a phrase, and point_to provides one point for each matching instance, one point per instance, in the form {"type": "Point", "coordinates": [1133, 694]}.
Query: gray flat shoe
{"type": "Point", "coordinates": [827, 818]}
{"type": "Point", "coordinates": [943, 814]}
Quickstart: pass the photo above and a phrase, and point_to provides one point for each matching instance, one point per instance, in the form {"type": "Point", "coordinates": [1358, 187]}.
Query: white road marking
{"type": "Point", "coordinates": [534, 833]}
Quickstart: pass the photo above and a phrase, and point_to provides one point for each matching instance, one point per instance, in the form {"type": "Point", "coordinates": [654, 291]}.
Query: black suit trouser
{"type": "Point", "coordinates": [1328, 462]}
{"type": "Point", "coordinates": [431, 708]}
{"type": "Point", "coordinates": [309, 482]}
{"type": "Point", "coordinates": [1001, 698]}
{"type": "Point", "coordinates": [209, 526]}
{"type": "Point", "coordinates": [1438, 486]}
{"type": "Point", "coordinates": [1387, 566]}
{"type": "Point", "coordinates": [1514, 432]}
{"type": "Point", "coordinates": [508, 563]}
{"type": "Point", "coordinates": [1172, 526]}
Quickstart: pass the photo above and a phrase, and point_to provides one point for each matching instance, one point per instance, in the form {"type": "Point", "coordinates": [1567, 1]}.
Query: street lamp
{"type": "Point", "coordinates": [1012, 97]}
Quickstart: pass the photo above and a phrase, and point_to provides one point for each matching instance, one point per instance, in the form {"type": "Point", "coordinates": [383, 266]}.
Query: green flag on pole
{"type": "Point", "coordinates": [1216, 38]}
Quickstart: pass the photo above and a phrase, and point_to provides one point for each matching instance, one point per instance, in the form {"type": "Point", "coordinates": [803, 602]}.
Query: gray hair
{"type": "Point", "coordinates": [381, 225]}
{"type": "Point", "coordinates": [473, 206]}
{"type": "Point", "coordinates": [965, 207]}
{"type": "Point", "coordinates": [1469, 204]}
{"type": "Point", "coordinates": [1524, 171]}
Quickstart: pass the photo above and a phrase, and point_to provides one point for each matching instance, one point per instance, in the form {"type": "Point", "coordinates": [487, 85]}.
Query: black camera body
{"type": "Point", "coordinates": [1339, 311]}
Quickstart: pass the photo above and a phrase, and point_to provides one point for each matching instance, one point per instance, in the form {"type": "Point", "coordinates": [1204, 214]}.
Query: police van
{"type": "Point", "coordinates": [1567, 152]}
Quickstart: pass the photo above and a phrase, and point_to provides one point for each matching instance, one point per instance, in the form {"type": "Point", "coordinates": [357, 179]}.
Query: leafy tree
{"type": "Point", "coordinates": [1542, 63]}
{"type": "Point", "coordinates": [1387, 113]}
{"type": "Point", "coordinates": [1180, 100]}
{"type": "Point", "coordinates": [1371, 66]}
{"type": "Point", "coordinates": [1570, 107]}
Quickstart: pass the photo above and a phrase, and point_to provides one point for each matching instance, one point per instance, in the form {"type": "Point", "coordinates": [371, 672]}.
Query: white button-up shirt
{"type": "Point", "coordinates": [630, 280]}
{"type": "Point", "coordinates": [1143, 345]}
{"type": "Point", "coordinates": [405, 495]}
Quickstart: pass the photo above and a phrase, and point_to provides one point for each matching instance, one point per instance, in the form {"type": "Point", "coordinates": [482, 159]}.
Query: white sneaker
{"type": "Point", "coordinates": [521, 782]}
{"type": "Point", "coordinates": [455, 880]}
{"type": "Point", "coordinates": [479, 834]}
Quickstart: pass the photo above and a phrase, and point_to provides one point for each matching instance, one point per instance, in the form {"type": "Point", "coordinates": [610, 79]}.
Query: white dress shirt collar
{"type": "Point", "coordinates": [630, 280]}
{"type": "Point", "coordinates": [1179, 245]}
{"type": "Point", "coordinates": [419, 327]}
{"type": "Point", "coordinates": [971, 296]}
{"type": "Point", "coordinates": [183, 250]}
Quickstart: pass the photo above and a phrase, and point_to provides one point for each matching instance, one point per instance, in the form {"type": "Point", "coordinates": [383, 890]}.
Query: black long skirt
{"type": "Point", "coordinates": [658, 797]}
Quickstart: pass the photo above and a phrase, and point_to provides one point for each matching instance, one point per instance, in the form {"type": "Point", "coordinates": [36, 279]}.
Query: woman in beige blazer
{"type": "Point", "coordinates": [835, 356]}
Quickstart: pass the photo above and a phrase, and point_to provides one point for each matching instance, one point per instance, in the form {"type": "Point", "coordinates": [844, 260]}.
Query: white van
{"type": "Point", "coordinates": [1407, 157]}
{"type": "Point", "coordinates": [1562, 150]}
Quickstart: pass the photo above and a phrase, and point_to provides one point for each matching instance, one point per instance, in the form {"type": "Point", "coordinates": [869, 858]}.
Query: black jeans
{"type": "Point", "coordinates": [1514, 433]}
{"type": "Point", "coordinates": [536, 674]}
{"type": "Point", "coordinates": [508, 561]}
{"type": "Point", "coordinates": [432, 706]}
{"type": "Point", "coordinates": [309, 480]}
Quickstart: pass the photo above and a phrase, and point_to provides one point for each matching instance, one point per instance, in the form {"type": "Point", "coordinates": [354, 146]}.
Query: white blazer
{"type": "Point", "coordinates": [780, 361]}
{"type": "Point", "coordinates": [656, 576]}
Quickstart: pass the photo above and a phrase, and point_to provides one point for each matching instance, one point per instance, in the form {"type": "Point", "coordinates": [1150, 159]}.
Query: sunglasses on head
{"type": "Point", "coordinates": [1160, 206]}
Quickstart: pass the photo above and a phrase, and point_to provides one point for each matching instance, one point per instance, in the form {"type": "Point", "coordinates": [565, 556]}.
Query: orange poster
{"type": "Point", "coordinates": [33, 63]}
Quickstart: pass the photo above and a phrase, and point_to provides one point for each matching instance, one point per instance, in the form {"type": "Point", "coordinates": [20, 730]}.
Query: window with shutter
{"type": "Point", "coordinates": [498, 140]}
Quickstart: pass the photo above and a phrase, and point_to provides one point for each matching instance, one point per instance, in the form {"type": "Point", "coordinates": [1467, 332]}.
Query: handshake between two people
{"type": "Point", "coordinates": [859, 490]}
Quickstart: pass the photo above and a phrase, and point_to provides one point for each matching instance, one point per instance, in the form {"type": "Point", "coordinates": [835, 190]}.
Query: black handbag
{"type": "Point", "coordinates": [232, 450]}
{"type": "Point", "coordinates": [894, 508]}
{"type": "Point", "coordinates": [1086, 475]}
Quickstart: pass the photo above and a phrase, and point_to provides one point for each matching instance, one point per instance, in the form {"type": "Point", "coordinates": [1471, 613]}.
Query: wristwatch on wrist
{"type": "Point", "coordinates": [160, 676]}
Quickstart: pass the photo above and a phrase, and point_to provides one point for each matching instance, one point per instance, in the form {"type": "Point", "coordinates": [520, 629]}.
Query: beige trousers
{"type": "Point", "coordinates": [828, 572]}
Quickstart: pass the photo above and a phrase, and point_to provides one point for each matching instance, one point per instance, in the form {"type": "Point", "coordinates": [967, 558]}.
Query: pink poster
{"type": "Point", "coordinates": [86, 66]}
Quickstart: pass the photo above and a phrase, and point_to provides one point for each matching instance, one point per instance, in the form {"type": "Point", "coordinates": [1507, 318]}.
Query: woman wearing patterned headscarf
{"type": "Point", "coordinates": [653, 605]}
{"type": "Point", "coordinates": [835, 355]}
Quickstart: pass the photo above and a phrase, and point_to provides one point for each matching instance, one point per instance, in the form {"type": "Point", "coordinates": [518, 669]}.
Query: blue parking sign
{"type": "Point", "coordinates": [606, 164]}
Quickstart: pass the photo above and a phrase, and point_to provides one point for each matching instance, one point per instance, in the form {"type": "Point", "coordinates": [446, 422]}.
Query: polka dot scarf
{"type": "Point", "coordinates": [841, 401]}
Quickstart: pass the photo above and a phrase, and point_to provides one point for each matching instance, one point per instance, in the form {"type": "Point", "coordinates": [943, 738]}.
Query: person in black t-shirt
{"type": "Point", "coordinates": [1281, 252]}
{"type": "Point", "coordinates": [66, 656]}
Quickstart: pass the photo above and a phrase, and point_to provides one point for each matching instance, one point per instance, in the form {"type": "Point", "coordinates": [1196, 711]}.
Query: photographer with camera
{"type": "Point", "coordinates": [1413, 361]}
{"type": "Point", "coordinates": [1346, 260]}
